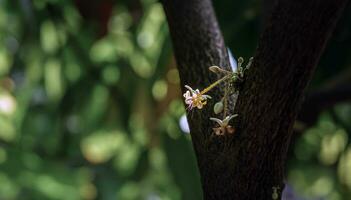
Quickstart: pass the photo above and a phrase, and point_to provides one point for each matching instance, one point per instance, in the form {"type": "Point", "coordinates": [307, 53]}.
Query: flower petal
{"type": "Point", "coordinates": [228, 118]}
{"type": "Point", "coordinates": [217, 120]}
{"type": "Point", "coordinates": [186, 94]}
{"type": "Point", "coordinates": [206, 96]}
{"type": "Point", "coordinates": [189, 88]}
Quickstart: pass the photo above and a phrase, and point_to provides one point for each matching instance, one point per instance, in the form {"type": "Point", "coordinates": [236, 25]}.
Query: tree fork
{"type": "Point", "coordinates": [250, 164]}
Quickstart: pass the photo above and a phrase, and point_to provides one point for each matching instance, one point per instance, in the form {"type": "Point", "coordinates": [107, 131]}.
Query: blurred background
{"type": "Point", "coordinates": [90, 104]}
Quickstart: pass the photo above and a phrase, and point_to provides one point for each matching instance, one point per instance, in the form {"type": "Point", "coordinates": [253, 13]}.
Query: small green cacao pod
{"type": "Point", "coordinates": [218, 107]}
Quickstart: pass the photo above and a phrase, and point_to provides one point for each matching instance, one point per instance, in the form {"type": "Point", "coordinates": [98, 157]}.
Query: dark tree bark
{"type": "Point", "coordinates": [267, 8]}
{"type": "Point", "coordinates": [248, 164]}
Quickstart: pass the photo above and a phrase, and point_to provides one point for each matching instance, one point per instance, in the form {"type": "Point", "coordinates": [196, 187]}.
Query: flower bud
{"type": "Point", "coordinates": [218, 107]}
{"type": "Point", "coordinates": [250, 63]}
{"type": "Point", "coordinates": [215, 69]}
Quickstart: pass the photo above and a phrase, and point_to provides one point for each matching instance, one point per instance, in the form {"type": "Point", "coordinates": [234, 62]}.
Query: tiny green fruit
{"type": "Point", "coordinates": [218, 107]}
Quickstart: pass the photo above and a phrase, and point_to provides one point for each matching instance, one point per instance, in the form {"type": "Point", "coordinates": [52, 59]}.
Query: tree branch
{"type": "Point", "coordinates": [249, 164]}
{"type": "Point", "coordinates": [198, 44]}
{"type": "Point", "coordinates": [267, 8]}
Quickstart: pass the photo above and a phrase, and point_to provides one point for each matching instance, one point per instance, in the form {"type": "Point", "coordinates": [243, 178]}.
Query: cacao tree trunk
{"type": "Point", "coordinates": [248, 164]}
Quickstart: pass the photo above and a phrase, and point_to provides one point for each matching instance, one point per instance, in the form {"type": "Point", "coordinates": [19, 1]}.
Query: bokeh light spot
{"type": "Point", "coordinates": [183, 124]}
{"type": "Point", "coordinates": [110, 74]}
{"type": "Point", "coordinates": [159, 89]}
{"type": "Point", "coordinates": [7, 104]}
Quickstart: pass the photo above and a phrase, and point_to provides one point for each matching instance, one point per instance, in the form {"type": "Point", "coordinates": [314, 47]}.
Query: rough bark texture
{"type": "Point", "coordinates": [248, 164]}
{"type": "Point", "coordinates": [267, 8]}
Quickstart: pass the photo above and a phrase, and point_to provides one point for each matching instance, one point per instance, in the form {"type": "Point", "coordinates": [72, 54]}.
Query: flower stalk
{"type": "Point", "coordinates": [215, 84]}
{"type": "Point", "coordinates": [198, 99]}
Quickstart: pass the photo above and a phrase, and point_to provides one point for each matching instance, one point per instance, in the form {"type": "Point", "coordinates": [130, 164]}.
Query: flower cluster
{"type": "Point", "coordinates": [198, 99]}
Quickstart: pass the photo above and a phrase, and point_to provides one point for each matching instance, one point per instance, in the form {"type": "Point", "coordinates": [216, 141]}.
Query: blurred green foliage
{"type": "Point", "coordinates": [90, 104]}
{"type": "Point", "coordinates": [80, 113]}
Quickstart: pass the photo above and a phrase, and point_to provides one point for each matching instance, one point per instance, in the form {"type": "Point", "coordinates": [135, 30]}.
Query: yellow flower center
{"type": "Point", "coordinates": [199, 101]}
